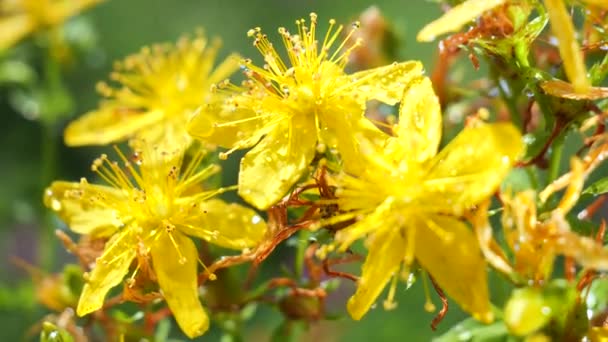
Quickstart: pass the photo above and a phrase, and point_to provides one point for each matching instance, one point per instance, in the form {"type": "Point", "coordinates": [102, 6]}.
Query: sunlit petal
{"type": "Point", "coordinates": [374, 221]}
{"type": "Point", "coordinates": [274, 165]}
{"type": "Point", "coordinates": [449, 251]}
{"type": "Point", "coordinates": [227, 126]}
{"type": "Point", "coordinates": [175, 261]}
{"type": "Point", "coordinates": [107, 125]}
{"type": "Point", "coordinates": [80, 207]}
{"type": "Point", "coordinates": [385, 253]}
{"type": "Point", "coordinates": [472, 166]}
{"type": "Point", "coordinates": [109, 270]}
{"type": "Point", "coordinates": [385, 83]}
{"type": "Point", "coordinates": [419, 127]}
{"type": "Point", "coordinates": [225, 224]}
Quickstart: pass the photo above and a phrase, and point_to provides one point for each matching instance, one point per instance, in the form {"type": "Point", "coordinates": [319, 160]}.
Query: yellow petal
{"type": "Point", "coordinates": [227, 225]}
{"type": "Point", "coordinates": [74, 205]}
{"type": "Point", "coordinates": [385, 83]}
{"type": "Point", "coordinates": [454, 19]}
{"type": "Point", "coordinates": [471, 167]}
{"type": "Point", "coordinates": [569, 49]}
{"type": "Point", "coordinates": [61, 10]}
{"type": "Point", "coordinates": [448, 250]}
{"type": "Point", "coordinates": [346, 129]}
{"type": "Point", "coordinates": [566, 90]}
{"type": "Point", "coordinates": [224, 69]}
{"type": "Point", "coordinates": [272, 167]}
{"type": "Point", "coordinates": [13, 29]}
{"type": "Point", "coordinates": [175, 261]}
{"type": "Point", "coordinates": [108, 125]}
{"type": "Point", "coordinates": [227, 126]}
{"type": "Point", "coordinates": [385, 254]}
{"type": "Point", "coordinates": [109, 270]}
{"type": "Point", "coordinates": [374, 221]}
{"type": "Point", "coordinates": [419, 128]}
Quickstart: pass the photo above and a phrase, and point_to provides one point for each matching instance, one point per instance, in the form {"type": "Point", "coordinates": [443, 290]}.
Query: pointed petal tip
{"type": "Point", "coordinates": [355, 309]}
{"type": "Point", "coordinates": [86, 307]}
{"type": "Point", "coordinates": [198, 328]}
{"type": "Point", "coordinates": [486, 316]}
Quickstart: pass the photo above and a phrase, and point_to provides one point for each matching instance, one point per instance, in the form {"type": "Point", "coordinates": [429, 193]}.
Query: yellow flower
{"type": "Point", "coordinates": [152, 208]}
{"type": "Point", "coordinates": [297, 107]}
{"type": "Point", "coordinates": [19, 18]}
{"type": "Point", "coordinates": [160, 87]}
{"type": "Point", "coordinates": [407, 200]}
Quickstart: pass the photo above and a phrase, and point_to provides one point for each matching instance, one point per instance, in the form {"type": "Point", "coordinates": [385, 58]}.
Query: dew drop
{"type": "Point", "coordinates": [55, 204]}
{"type": "Point", "coordinates": [256, 219]}
{"type": "Point", "coordinates": [182, 260]}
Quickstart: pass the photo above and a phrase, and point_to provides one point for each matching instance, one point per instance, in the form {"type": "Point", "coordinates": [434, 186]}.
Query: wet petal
{"type": "Point", "coordinates": [454, 19]}
{"type": "Point", "coordinates": [13, 29]}
{"type": "Point", "coordinates": [227, 126]}
{"type": "Point", "coordinates": [448, 250]}
{"type": "Point", "coordinates": [374, 221]}
{"type": "Point", "coordinates": [419, 128]}
{"type": "Point", "coordinates": [274, 165]}
{"type": "Point", "coordinates": [109, 270]}
{"type": "Point", "coordinates": [346, 129]}
{"type": "Point", "coordinates": [227, 225]}
{"type": "Point", "coordinates": [79, 206]}
{"type": "Point", "coordinates": [569, 49]}
{"type": "Point", "coordinates": [107, 125]}
{"type": "Point", "coordinates": [175, 261]}
{"type": "Point", "coordinates": [385, 254]}
{"type": "Point", "coordinates": [385, 83]}
{"type": "Point", "coordinates": [471, 167]}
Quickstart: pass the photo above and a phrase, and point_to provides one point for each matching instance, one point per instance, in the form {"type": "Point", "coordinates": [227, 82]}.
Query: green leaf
{"type": "Point", "coordinates": [597, 188]}
{"type": "Point", "coordinates": [473, 330]}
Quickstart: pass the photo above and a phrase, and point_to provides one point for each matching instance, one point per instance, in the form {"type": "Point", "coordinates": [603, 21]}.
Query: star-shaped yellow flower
{"type": "Point", "coordinates": [19, 18]}
{"type": "Point", "coordinates": [291, 109]}
{"type": "Point", "coordinates": [152, 208]}
{"type": "Point", "coordinates": [160, 88]}
{"type": "Point", "coordinates": [408, 199]}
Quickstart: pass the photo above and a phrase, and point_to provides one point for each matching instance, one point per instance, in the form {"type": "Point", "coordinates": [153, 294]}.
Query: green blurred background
{"type": "Point", "coordinates": [122, 27]}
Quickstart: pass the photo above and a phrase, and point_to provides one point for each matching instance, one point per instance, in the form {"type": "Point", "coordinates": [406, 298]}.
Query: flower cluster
{"type": "Point", "coordinates": [419, 199]}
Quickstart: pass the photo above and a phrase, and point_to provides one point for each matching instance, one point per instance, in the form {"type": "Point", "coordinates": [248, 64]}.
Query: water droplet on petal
{"type": "Point", "coordinates": [55, 204]}
{"type": "Point", "coordinates": [256, 219]}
